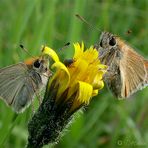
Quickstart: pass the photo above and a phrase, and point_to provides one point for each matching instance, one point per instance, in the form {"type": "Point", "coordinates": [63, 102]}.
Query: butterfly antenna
{"type": "Point", "coordinates": [128, 32]}
{"type": "Point", "coordinates": [84, 21]}
{"type": "Point", "coordinates": [24, 49]}
{"type": "Point", "coordinates": [65, 46]}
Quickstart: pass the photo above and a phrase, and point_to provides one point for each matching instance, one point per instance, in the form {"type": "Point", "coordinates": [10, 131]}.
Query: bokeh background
{"type": "Point", "coordinates": [107, 122]}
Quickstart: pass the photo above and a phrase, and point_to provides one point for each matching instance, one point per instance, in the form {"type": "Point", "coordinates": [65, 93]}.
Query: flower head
{"type": "Point", "coordinates": [69, 89]}
{"type": "Point", "coordinates": [83, 77]}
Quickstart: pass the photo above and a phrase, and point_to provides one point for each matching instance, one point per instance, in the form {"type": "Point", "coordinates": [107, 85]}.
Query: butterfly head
{"type": "Point", "coordinates": [39, 64]}
{"type": "Point", "coordinates": [107, 45]}
{"type": "Point", "coordinates": [107, 40]}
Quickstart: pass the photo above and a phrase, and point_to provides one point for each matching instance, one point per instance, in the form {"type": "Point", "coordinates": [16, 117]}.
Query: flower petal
{"type": "Point", "coordinates": [78, 50]}
{"type": "Point", "coordinates": [95, 92]}
{"type": "Point", "coordinates": [85, 92]}
{"type": "Point", "coordinates": [98, 83]}
{"type": "Point", "coordinates": [48, 51]}
{"type": "Point", "coordinates": [83, 96]}
{"type": "Point", "coordinates": [62, 77]}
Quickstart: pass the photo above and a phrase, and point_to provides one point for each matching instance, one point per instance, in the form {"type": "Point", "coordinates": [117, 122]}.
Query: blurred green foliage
{"type": "Point", "coordinates": [107, 122]}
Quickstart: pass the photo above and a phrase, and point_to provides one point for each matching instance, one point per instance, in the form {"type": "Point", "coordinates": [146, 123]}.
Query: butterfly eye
{"type": "Point", "coordinates": [101, 43]}
{"type": "Point", "coordinates": [37, 64]}
{"type": "Point", "coordinates": [112, 41]}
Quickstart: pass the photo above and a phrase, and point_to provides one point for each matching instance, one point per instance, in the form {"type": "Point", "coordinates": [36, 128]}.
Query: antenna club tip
{"type": "Point", "coordinates": [67, 44]}
{"type": "Point", "coordinates": [21, 46]}
{"type": "Point", "coordinates": [78, 16]}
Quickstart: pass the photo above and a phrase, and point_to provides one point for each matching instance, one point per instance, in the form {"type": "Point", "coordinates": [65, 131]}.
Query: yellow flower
{"type": "Point", "coordinates": [79, 81]}
{"type": "Point", "coordinates": [70, 88]}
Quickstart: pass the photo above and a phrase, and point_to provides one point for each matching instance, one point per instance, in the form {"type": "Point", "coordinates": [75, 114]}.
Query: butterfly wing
{"type": "Point", "coordinates": [11, 80]}
{"type": "Point", "coordinates": [133, 73]}
{"type": "Point", "coordinates": [17, 86]}
{"type": "Point", "coordinates": [24, 95]}
{"type": "Point", "coordinates": [146, 65]}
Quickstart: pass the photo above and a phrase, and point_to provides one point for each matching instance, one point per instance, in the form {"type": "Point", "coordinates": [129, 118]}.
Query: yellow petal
{"type": "Point", "coordinates": [98, 83]}
{"type": "Point", "coordinates": [91, 55]}
{"type": "Point", "coordinates": [83, 96]}
{"type": "Point", "coordinates": [95, 92]}
{"type": "Point", "coordinates": [78, 50]}
{"type": "Point", "coordinates": [62, 77]}
{"type": "Point", "coordinates": [77, 71]}
{"type": "Point", "coordinates": [101, 66]}
{"type": "Point", "coordinates": [48, 51]}
{"type": "Point", "coordinates": [85, 92]}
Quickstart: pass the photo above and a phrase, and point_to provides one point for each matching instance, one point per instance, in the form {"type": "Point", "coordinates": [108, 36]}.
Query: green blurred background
{"type": "Point", "coordinates": [107, 122]}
